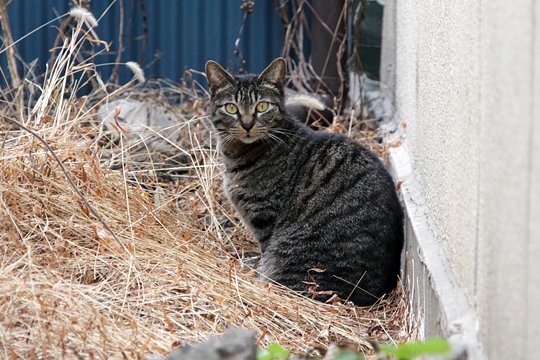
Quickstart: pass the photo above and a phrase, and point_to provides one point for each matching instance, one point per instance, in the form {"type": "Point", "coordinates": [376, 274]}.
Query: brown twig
{"type": "Point", "coordinates": [8, 41]}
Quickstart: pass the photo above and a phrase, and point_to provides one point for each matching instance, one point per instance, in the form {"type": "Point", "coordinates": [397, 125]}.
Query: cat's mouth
{"type": "Point", "coordinates": [248, 138]}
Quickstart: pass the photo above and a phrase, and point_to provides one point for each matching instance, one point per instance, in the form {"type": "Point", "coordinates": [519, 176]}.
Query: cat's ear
{"type": "Point", "coordinates": [217, 76]}
{"type": "Point", "coordinates": [275, 72]}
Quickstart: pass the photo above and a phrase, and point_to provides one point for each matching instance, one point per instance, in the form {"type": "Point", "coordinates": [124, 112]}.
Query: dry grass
{"type": "Point", "coordinates": [111, 270]}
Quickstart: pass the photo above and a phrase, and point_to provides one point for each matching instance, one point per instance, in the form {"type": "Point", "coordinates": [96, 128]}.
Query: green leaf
{"type": "Point", "coordinates": [408, 351]}
{"type": "Point", "coordinates": [278, 352]}
{"type": "Point", "coordinates": [348, 355]}
{"type": "Point", "coordinates": [263, 354]}
{"type": "Point", "coordinates": [274, 352]}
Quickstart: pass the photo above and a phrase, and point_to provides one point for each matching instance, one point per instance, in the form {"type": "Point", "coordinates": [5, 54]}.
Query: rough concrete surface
{"type": "Point", "coordinates": [466, 77]}
{"type": "Point", "coordinates": [235, 344]}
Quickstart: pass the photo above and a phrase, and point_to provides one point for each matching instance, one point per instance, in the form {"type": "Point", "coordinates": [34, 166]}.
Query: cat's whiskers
{"type": "Point", "coordinates": [276, 139]}
{"type": "Point", "coordinates": [227, 139]}
{"type": "Point", "coordinates": [267, 140]}
{"type": "Point", "coordinates": [286, 133]}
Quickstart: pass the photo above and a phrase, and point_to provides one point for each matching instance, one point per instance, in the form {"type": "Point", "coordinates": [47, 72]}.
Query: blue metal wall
{"type": "Point", "coordinates": [185, 33]}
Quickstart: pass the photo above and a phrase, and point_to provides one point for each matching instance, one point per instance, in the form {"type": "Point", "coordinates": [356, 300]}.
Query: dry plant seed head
{"type": "Point", "coordinates": [83, 14]}
{"type": "Point", "coordinates": [137, 71]}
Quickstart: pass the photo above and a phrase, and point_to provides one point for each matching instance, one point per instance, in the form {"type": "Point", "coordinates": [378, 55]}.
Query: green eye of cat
{"type": "Point", "coordinates": [231, 108]}
{"type": "Point", "coordinates": [262, 106]}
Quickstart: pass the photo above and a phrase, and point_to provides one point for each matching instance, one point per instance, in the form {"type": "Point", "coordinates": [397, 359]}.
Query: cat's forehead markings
{"type": "Point", "coordinates": [252, 95]}
{"type": "Point", "coordinates": [246, 92]}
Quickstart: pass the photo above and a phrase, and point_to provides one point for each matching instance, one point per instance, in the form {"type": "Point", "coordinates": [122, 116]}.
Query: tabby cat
{"type": "Point", "coordinates": [323, 208]}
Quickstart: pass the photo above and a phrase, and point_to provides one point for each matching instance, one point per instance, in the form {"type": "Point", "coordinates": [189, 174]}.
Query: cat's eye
{"type": "Point", "coordinates": [262, 106]}
{"type": "Point", "coordinates": [231, 108]}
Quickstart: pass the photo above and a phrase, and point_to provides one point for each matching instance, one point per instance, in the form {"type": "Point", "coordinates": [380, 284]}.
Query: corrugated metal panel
{"type": "Point", "coordinates": [183, 33]}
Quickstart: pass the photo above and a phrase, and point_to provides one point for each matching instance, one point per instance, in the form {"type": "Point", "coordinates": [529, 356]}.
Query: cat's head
{"type": "Point", "coordinates": [246, 108]}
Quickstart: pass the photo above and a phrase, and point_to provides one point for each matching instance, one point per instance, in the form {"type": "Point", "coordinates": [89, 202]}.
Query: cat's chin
{"type": "Point", "coordinates": [248, 140]}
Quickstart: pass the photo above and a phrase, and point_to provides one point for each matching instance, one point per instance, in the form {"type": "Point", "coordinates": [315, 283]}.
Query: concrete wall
{"type": "Point", "coordinates": [466, 78]}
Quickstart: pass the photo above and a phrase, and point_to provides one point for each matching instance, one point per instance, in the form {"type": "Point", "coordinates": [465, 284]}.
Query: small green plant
{"type": "Point", "coordinates": [348, 355]}
{"type": "Point", "coordinates": [274, 352]}
{"type": "Point", "coordinates": [411, 350]}
{"type": "Point", "coordinates": [405, 351]}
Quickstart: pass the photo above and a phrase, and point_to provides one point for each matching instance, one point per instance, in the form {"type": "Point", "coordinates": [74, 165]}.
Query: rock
{"type": "Point", "coordinates": [234, 344]}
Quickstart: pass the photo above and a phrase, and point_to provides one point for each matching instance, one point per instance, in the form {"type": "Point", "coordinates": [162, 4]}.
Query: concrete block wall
{"type": "Point", "coordinates": [466, 79]}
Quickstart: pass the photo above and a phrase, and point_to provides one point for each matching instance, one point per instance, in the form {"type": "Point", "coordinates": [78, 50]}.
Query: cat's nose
{"type": "Point", "coordinates": [247, 125]}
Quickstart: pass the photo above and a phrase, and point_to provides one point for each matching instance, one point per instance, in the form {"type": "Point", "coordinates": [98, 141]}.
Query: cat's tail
{"type": "Point", "coordinates": [308, 101]}
{"type": "Point", "coordinates": [302, 106]}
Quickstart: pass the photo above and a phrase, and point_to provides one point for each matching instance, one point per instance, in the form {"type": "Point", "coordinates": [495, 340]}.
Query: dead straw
{"type": "Point", "coordinates": [97, 263]}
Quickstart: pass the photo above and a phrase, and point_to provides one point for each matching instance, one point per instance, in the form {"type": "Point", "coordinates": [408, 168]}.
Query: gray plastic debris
{"type": "Point", "coordinates": [152, 143]}
{"type": "Point", "coordinates": [234, 344]}
{"type": "Point", "coordinates": [143, 122]}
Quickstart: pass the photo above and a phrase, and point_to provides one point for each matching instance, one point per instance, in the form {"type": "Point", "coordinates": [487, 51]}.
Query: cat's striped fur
{"type": "Point", "coordinates": [322, 207]}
